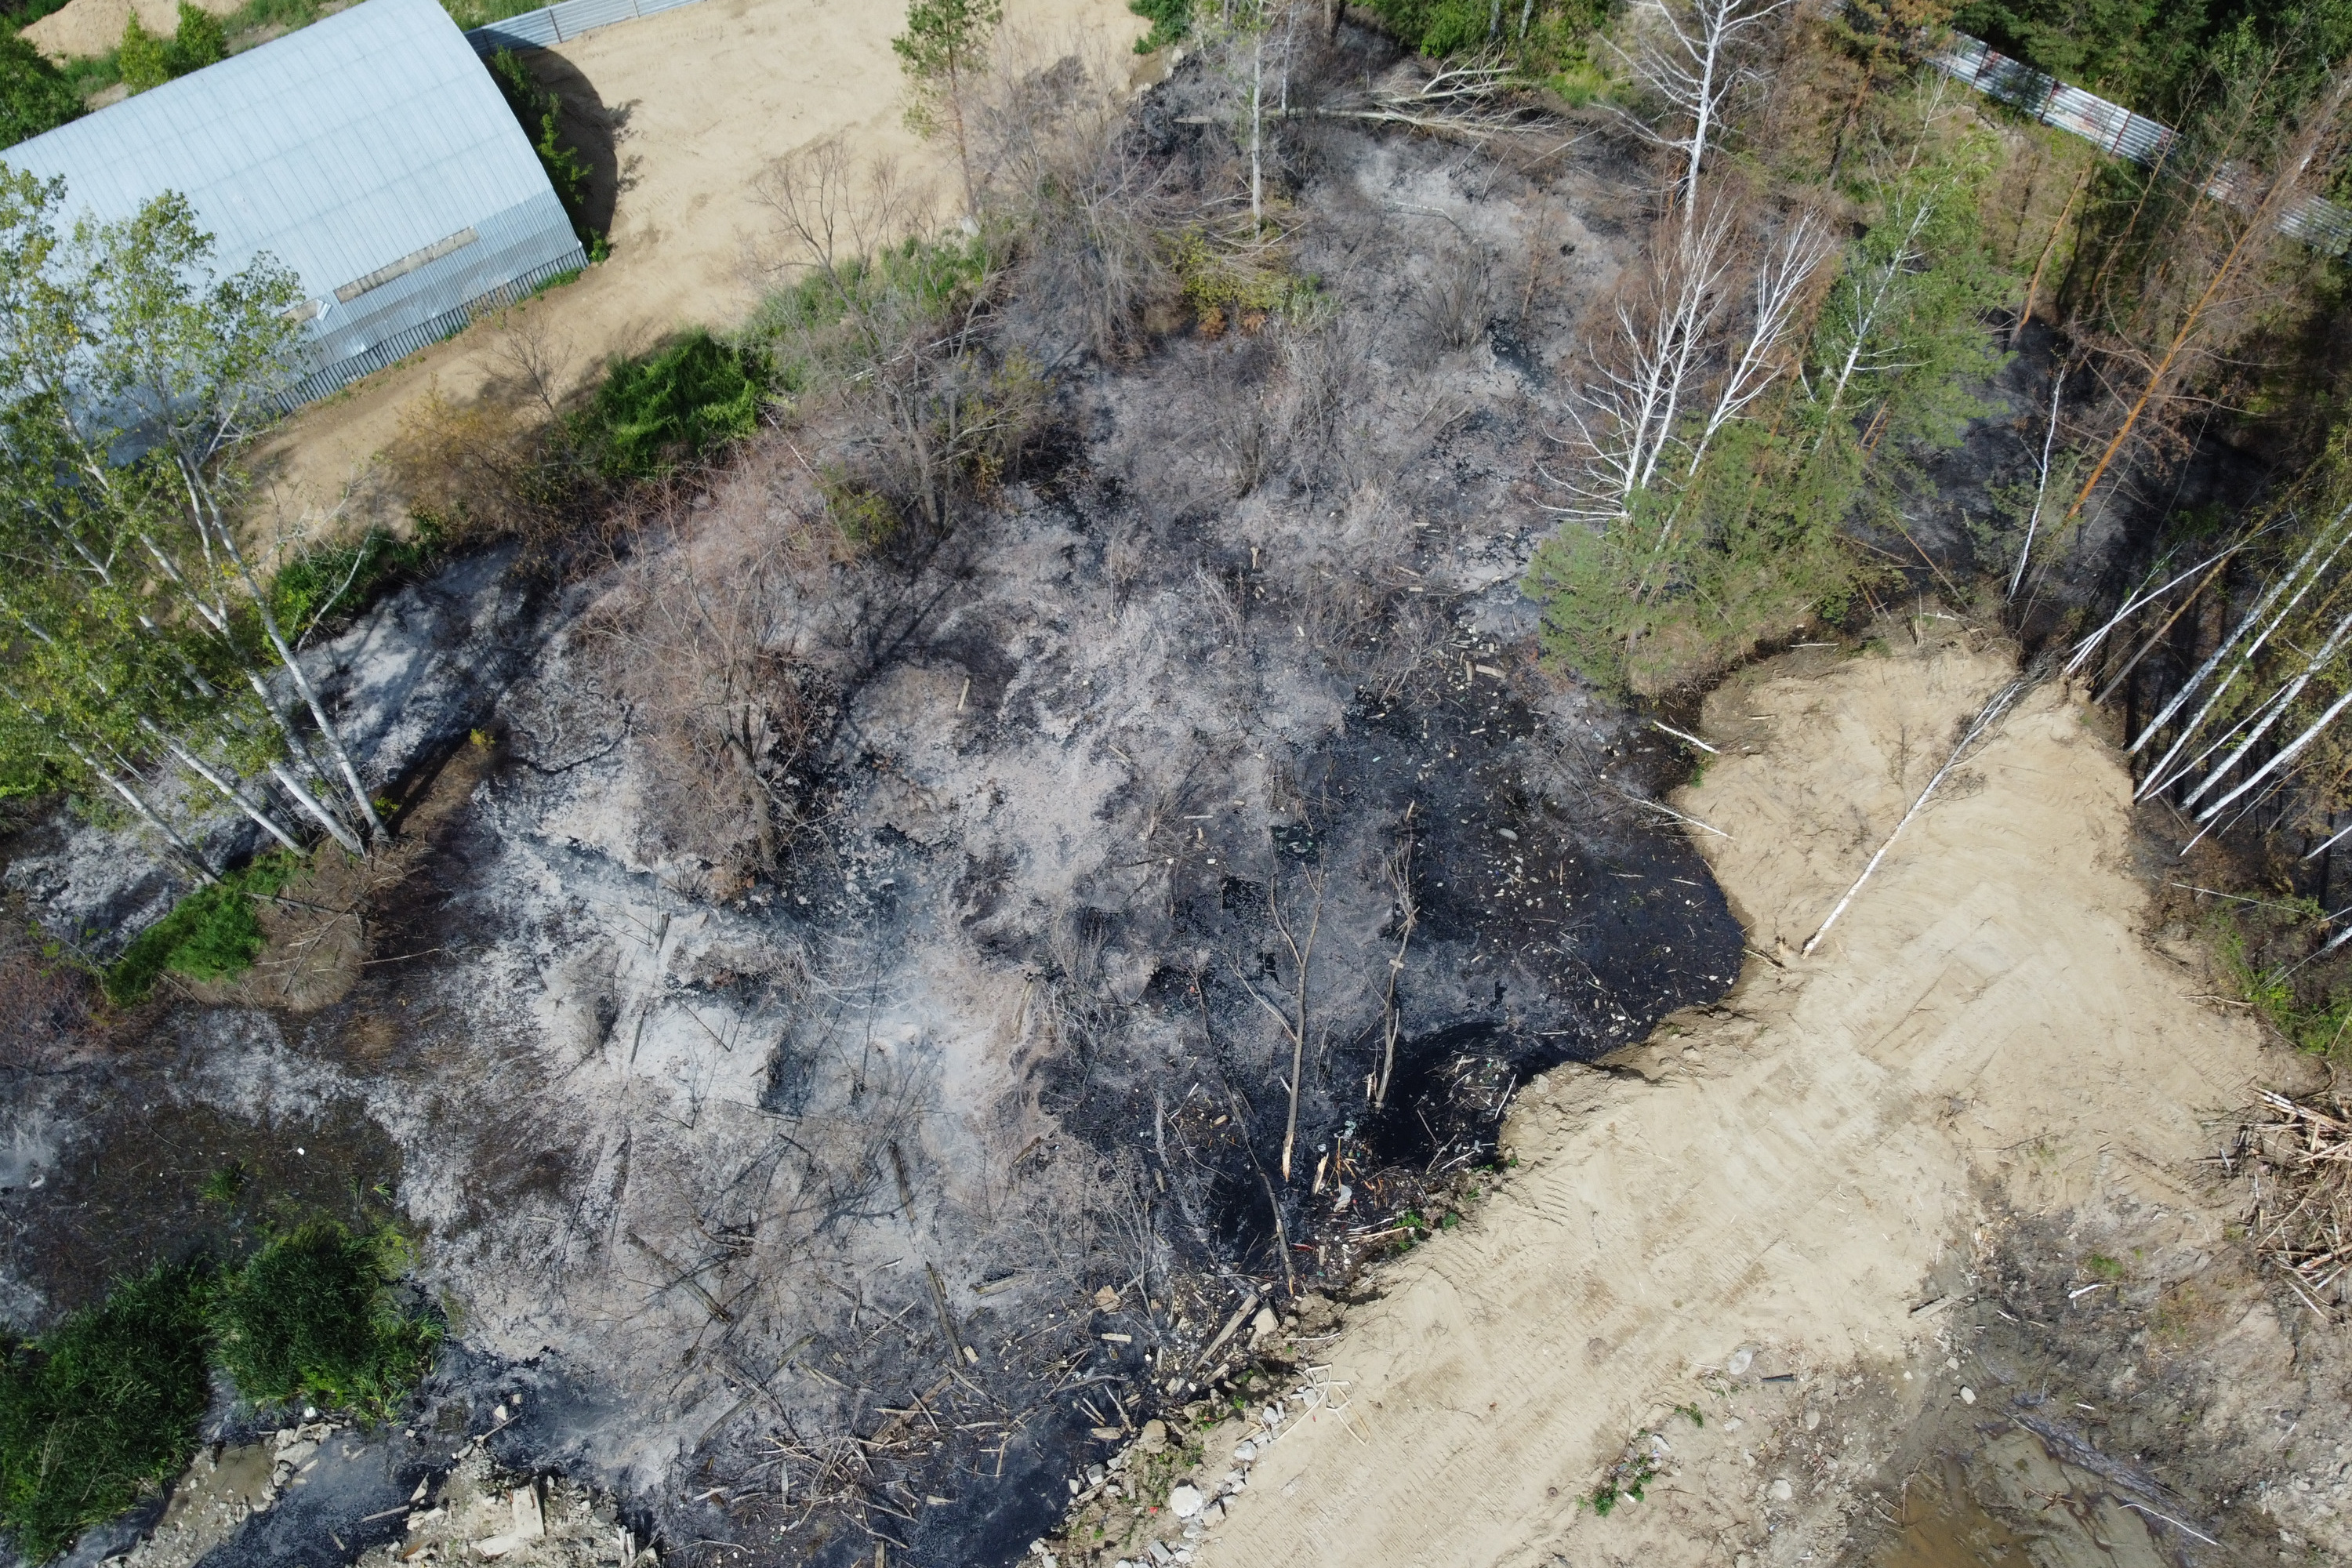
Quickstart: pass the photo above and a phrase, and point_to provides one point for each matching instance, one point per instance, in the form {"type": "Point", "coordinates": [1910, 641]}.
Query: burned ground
{"type": "Point", "coordinates": [851, 1188]}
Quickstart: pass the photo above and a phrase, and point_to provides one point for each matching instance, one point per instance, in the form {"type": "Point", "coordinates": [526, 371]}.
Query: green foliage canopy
{"type": "Point", "coordinates": [2166, 58]}
{"type": "Point", "coordinates": [34, 96]}
{"type": "Point", "coordinates": [1753, 541]}
{"type": "Point", "coordinates": [147, 61]}
{"type": "Point", "coordinates": [540, 112]}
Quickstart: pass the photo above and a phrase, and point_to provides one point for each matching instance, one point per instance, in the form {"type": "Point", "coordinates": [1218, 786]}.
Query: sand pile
{"type": "Point", "coordinates": [87, 27]}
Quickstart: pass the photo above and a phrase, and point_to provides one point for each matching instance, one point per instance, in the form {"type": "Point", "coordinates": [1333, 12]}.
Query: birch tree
{"type": "Point", "coordinates": [1687, 54]}
{"type": "Point", "coordinates": [131, 372]}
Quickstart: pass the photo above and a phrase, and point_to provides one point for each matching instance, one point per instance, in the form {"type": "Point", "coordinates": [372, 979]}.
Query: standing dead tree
{"type": "Point", "coordinates": [1688, 54]}
{"type": "Point", "coordinates": [2201, 264]}
{"type": "Point", "coordinates": [1293, 1020]}
{"type": "Point", "coordinates": [1685, 361]}
{"type": "Point", "coordinates": [706, 645]}
{"type": "Point", "coordinates": [892, 336]}
{"type": "Point", "coordinates": [1399, 866]}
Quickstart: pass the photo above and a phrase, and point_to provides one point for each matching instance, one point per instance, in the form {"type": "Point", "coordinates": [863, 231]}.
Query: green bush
{"type": "Point", "coordinates": [211, 934]}
{"type": "Point", "coordinates": [199, 41]}
{"type": "Point", "coordinates": [1170, 19]}
{"type": "Point", "coordinates": [337, 581]}
{"type": "Point", "coordinates": [1546, 34]}
{"type": "Point", "coordinates": [540, 112]}
{"type": "Point", "coordinates": [652, 413]}
{"type": "Point", "coordinates": [33, 94]}
{"type": "Point", "coordinates": [100, 1409]}
{"type": "Point", "coordinates": [314, 1315]}
{"type": "Point", "coordinates": [144, 60]}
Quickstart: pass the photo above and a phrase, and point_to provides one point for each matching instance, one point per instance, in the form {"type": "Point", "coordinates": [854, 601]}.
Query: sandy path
{"type": "Point", "coordinates": [702, 98]}
{"type": "Point", "coordinates": [1788, 1172]}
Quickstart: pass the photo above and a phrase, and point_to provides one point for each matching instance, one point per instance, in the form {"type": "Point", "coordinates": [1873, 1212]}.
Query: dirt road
{"type": "Point", "coordinates": [1785, 1216]}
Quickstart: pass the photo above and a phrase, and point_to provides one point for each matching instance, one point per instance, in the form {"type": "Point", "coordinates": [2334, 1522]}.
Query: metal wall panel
{"type": "Point", "coordinates": [555, 24]}
{"type": "Point", "coordinates": [341, 149]}
{"type": "Point", "coordinates": [2318, 221]}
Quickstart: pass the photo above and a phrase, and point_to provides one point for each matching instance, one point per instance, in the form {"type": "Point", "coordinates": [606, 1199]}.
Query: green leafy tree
{"type": "Point", "coordinates": [947, 41]}
{"type": "Point", "coordinates": [199, 41]}
{"type": "Point", "coordinates": [139, 631]}
{"type": "Point", "coordinates": [34, 96]}
{"type": "Point", "coordinates": [1706, 534]}
{"type": "Point", "coordinates": [540, 110]}
{"type": "Point", "coordinates": [1170, 19]}
{"type": "Point", "coordinates": [144, 60]}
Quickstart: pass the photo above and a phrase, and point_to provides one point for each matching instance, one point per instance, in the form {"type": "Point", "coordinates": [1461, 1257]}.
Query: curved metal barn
{"type": "Point", "coordinates": [370, 152]}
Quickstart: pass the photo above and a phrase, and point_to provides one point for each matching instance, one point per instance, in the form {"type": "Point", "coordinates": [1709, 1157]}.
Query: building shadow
{"type": "Point", "coordinates": [589, 126]}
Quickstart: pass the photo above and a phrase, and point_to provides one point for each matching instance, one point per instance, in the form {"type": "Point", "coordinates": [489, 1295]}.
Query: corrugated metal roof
{"type": "Point", "coordinates": [343, 149]}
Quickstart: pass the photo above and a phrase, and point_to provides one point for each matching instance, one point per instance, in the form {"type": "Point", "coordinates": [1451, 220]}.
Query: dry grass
{"type": "Point", "coordinates": [706, 641]}
{"type": "Point", "coordinates": [2297, 1154]}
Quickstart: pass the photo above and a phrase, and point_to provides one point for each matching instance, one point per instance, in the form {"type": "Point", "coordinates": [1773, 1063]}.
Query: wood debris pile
{"type": "Point", "coordinates": [2297, 1156]}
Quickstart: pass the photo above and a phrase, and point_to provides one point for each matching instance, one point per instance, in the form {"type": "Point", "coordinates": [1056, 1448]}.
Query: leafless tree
{"type": "Point", "coordinates": [930, 407]}
{"type": "Point", "coordinates": [2201, 284]}
{"type": "Point", "coordinates": [706, 645]}
{"type": "Point", "coordinates": [1689, 54]}
{"type": "Point", "coordinates": [1677, 369]}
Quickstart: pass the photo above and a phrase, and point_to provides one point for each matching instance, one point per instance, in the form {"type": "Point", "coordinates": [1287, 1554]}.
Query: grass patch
{"type": "Point", "coordinates": [211, 934]}
{"type": "Point", "coordinates": [315, 1314]}
{"type": "Point", "coordinates": [100, 1409]}
{"type": "Point", "coordinates": [482, 12]}
{"type": "Point", "coordinates": [333, 582]}
{"type": "Point", "coordinates": [2267, 951]}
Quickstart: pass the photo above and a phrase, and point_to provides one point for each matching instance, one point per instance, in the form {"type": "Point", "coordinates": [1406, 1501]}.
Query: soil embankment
{"type": "Point", "coordinates": [1800, 1214]}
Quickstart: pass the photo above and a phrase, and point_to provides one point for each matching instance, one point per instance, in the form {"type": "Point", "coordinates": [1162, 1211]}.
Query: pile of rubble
{"type": "Point", "coordinates": [483, 1514]}
{"type": "Point", "coordinates": [1148, 1507]}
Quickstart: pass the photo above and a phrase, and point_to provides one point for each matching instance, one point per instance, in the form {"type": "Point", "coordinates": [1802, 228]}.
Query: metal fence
{"type": "Point", "coordinates": [555, 24]}
{"type": "Point", "coordinates": [2316, 221]}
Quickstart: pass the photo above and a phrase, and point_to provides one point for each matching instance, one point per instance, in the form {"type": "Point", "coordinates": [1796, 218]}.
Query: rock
{"type": "Point", "coordinates": [1159, 1554]}
{"type": "Point", "coordinates": [1967, 1396]}
{"type": "Point", "coordinates": [1184, 1500]}
{"type": "Point", "coordinates": [1155, 1437]}
{"type": "Point", "coordinates": [1782, 1492]}
{"type": "Point", "coordinates": [1106, 1300]}
{"type": "Point", "coordinates": [1265, 1323]}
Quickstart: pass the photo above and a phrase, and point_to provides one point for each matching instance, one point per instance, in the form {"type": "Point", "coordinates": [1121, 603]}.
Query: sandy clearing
{"type": "Point", "coordinates": [1786, 1173]}
{"type": "Point", "coordinates": [699, 100]}
{"type": "Point", "coordinates": [93, 27]}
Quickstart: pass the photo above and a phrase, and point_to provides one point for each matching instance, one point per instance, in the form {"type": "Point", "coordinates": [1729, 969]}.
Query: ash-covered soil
{"type": "Point", "coordinates": [1186, 859]}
